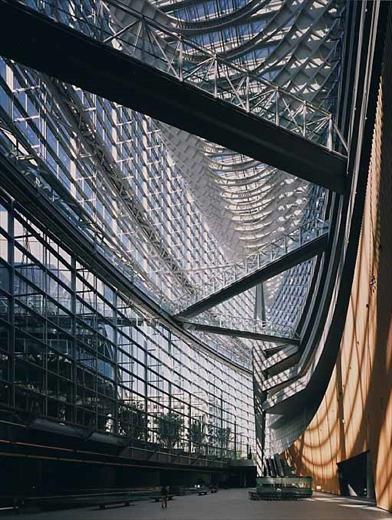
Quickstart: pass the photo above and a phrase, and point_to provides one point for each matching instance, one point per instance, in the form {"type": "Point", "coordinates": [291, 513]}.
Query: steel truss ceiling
{"type": "Point", "coordinates": [291, 50]}
{"type": "Point", "coordinates": [297, 46]}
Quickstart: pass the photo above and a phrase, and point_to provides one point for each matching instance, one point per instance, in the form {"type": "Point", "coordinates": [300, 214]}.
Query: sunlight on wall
{"type": "Point", "coordinates": [356, 412]}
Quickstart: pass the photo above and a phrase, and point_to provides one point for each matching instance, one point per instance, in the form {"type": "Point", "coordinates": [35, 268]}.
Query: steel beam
{"type": "Point", "coordinates": [285, 262]}
{"type": "Point", "coordinates": [61, 52]}
{"type": "Point", "coordinates": [270, 350]}
{"type": "Point", "coordinates": [236, 333]}
{"type": "Point", "coordinates": [274, 363]}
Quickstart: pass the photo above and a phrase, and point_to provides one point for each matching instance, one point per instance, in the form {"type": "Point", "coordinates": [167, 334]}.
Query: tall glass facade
{"type": "Point", "coordinates": [75, 350]}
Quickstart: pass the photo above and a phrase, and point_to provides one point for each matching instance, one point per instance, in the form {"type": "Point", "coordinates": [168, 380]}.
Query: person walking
{"type": "Point", "coordinates": [164, 494]}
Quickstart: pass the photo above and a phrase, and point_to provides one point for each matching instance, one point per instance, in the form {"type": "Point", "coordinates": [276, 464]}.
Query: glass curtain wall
{"type": "Point", "coordinates": [75, 350]}
{"type": "Point", "coordinates": [132, 199]}
{"type": "Point", "coordinates": [72, 348]}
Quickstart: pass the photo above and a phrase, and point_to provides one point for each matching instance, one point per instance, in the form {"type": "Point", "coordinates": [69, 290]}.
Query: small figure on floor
{"type": "Point", "coordinates": [164, 494]}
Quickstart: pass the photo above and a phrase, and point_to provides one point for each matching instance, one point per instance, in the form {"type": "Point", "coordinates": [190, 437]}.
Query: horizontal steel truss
{"type": "Point", "coordinates": [301, 254]}
{"type": "Point", "coordinates": [219, 276]}
{"type": "Point", "coordinates": [248, 334]}
{"type": "Point", "coordinates": [46, 45]}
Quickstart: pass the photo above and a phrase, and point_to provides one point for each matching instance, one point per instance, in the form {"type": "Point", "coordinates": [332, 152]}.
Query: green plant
{"type": "Point", "coordinates": [132, 420]}
{"type": "Point", "coordinates": [197, 433]}
{"type": "Point", "coordinates": [223, 436]}
{"type": "Point", "coordinates": [220, 437]}
{"type": "Point", "coordinates": [169, 428]}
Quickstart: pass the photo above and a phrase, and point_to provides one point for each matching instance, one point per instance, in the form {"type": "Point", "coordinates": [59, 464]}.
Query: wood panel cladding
{"type": "Point", "coordinates": [356, 412]}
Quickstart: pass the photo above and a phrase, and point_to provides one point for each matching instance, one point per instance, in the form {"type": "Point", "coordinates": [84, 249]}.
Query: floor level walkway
{"type": "Point", "coordinates": [227, 505]}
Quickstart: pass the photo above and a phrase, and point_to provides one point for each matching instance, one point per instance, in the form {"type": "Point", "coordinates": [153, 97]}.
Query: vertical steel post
{"type": "Point", "coordinates": [330, 133]}
{"type": "Point", "coordinates": [115, 362]}
{"type": "Point", "coordinates": [215, 76]}
{"type": "Point", "coordinates": [145, 387]}
{"type": "Point", "coordinates": [74, 345]}
{"type": "Point", "coordinates": [189, 423]}
{"type": "Point", "coordinates": [247, 102]}
{"type": "Point", "coordinates": [11, 339]}
{"type": "Point", "coordinates": [181, 60]}
{"type": "Point", "coordinates": [235, 438]}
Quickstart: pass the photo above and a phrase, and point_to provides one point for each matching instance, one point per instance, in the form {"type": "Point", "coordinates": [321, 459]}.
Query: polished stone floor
{"type": "Point", "coordinates": [227, 505]}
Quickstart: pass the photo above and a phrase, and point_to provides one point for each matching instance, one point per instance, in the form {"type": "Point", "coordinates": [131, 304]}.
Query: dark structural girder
{"type": "Point", "coordinates": [55, 49]}
{"type": "Point", "coordinates": [271, 350]}
{"type": "Point", "coordinates": [237, 333]}
{"type": "Point", "coordinates": [281, 264]}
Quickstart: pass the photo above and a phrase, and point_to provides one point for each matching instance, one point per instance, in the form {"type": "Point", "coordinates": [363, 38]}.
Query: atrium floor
{"type": "Point", "coordinates": [228, 505]}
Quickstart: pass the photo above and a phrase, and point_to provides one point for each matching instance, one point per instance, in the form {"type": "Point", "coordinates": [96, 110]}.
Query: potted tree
{"type": "Point", "coordinates": [220, 438]}
{"type": "Point", "coordinates": [169, 429]}
{"type": "Point", "coordinates": [132, 421]}
{"type": "Point", "coordinates": [197, 434]}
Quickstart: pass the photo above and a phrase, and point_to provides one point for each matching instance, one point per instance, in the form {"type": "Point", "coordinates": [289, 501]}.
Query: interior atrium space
{"type": "Point", "coordinates": [195, 259]}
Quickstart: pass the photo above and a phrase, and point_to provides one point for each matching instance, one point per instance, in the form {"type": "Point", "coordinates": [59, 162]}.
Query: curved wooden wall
{"type": "Point", "coordinates": [356, 412]}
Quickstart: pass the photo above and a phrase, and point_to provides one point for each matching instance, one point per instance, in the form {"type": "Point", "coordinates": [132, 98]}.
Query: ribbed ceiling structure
{"type": "Point", "coordinates": [295, 44]}
{"type": "Point", "coordinates": [195, 216]}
